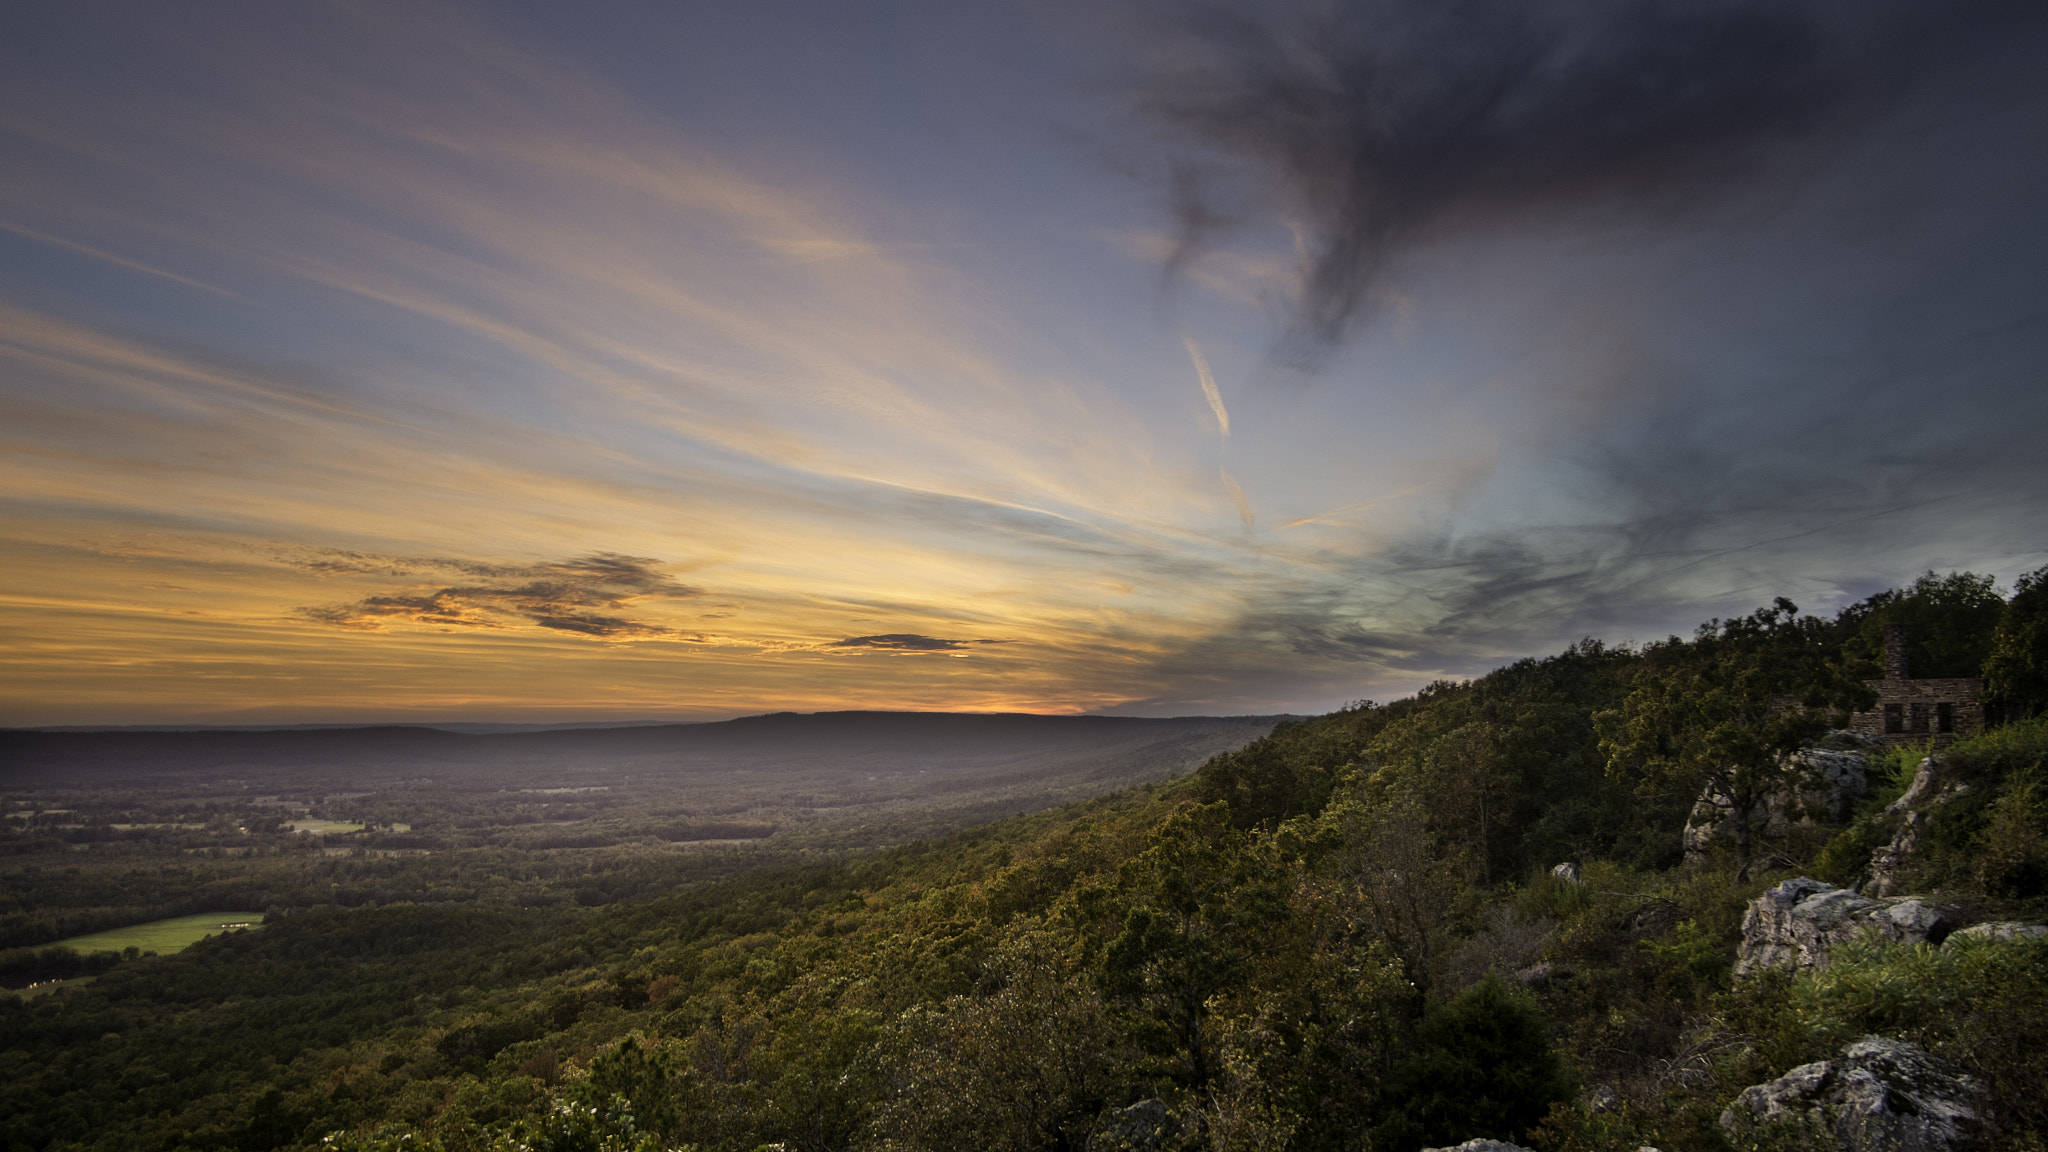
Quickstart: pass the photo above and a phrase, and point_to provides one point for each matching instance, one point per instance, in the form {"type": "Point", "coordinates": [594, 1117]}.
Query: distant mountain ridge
{"type": "Point", "coordinates": [851, 736]}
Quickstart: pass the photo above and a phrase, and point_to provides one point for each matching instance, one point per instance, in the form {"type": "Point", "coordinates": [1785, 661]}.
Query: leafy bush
{"type": "Point", "coordinates": [2012, 857]}
{"type": "Point", "coordinates": [1897, 990]}
{"type": "Point", "coordinates": [1699, 952]}
{"type": "Point", "coordinates": [1982, 1004]}
{"type": "Point", "coordinates": [1892, 769]}
{"type": "Point", "coordinates": [1987, 833]}
{"type": "Point", "coordinates": [1483, 1067]}
{"type": "Point", "coordinates": [2016, 671]}
{"type": "Point", "coordinates": [1996, 751]}
{"type": "Point", "coordinates": [1846, 857]}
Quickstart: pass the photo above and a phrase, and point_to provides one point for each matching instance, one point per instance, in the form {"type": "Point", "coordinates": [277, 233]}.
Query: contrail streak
{"type": "Point", "coordinates": [1237, 497]}
{"type": "Point", "coordinates": [1209, 386]}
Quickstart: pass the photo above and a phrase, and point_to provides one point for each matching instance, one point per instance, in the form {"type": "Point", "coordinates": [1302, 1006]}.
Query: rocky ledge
{"type": "Point", "coordinates": [1879, 1096]}
{"type": "Point", "coordinates": [2001, 930]}
{"type": "Point", "coordinates": [1798, 922]}
{"type": "Point", "coordinates": [1830, 783]}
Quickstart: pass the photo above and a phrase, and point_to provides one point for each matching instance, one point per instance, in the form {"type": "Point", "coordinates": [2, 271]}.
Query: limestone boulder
{"type": "Point", "coordinates": [1998, 930]}
{"type": "Point", "coordinates": [1832, 782]}
{"type": "Point", "coordinates": [1929, 790]}
{"type": "Point", "coordinates": [1146, 1125]}
{"type": "Point", "coordinates": [1482, 1146]}
{"type": "Point", "coordinates": [1797, 924]}
{"type": "Point", "coordinates": [1880, 1095]}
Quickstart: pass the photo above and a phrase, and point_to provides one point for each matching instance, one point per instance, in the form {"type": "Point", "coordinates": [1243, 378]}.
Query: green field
{"type": "Point", "coordinates": [163, 936]}
{"type": "Point", "coordinates": [324, 827]}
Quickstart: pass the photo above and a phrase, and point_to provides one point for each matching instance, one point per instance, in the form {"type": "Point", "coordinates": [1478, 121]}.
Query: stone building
{"type": "Point", "coordinates": [1911, 711]}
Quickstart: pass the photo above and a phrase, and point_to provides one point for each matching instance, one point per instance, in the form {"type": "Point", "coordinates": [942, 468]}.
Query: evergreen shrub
{"type": "Point", "coordinates": [1483, 1067]}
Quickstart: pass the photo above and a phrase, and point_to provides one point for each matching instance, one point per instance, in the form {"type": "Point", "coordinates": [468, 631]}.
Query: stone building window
{"type": "Point", "coordinates": [1894, 718]}
{"type": "Point", "coordinates": [1945, 717]}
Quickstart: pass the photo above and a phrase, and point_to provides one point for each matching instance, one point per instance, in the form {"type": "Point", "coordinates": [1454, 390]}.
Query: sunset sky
{"type": "Point", "coordinates": [411, 361]}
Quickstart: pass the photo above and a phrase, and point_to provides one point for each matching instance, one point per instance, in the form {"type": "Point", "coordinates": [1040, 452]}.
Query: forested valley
{"type": "Point", "coordinates": [1475, 912]}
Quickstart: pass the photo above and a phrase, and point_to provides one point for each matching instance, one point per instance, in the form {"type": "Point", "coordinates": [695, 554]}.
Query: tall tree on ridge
{"type": "Point", "coordinates": [2016, 674]}
{"type": "Point", "coordinates": [1722, 714]}
{"type": "Point", "coordinates": [1949, 620]}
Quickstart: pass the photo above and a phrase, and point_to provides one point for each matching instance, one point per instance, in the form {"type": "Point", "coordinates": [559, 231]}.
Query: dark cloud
{"type": "Point", "coordinates": [1460, 604]}
{"type": "Point", "coordinates": [1388, 121]}
{"type": "Point", "coordinates": [585, 596]}
{"type": "Point", "coordinates": [1817, 375]}
{"type": "Point", "coordinates": [909, 642]}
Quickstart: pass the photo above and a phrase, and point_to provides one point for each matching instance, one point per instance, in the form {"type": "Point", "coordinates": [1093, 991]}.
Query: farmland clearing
{"type": "Point", "coordinates": [163, 936]}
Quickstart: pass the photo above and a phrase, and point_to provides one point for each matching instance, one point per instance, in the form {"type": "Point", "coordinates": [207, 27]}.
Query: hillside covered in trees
{"type": "Point", "coordinates": [1353, 933]}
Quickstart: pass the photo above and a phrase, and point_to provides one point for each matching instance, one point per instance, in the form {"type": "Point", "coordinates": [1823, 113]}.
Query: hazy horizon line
{"type": "Point", "coordinates": [488, 727]}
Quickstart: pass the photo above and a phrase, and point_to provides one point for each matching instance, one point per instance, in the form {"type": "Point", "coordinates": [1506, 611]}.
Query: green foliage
{"type": "Point", "coordinates": [580, 1126]}
{"type": "Point", "coordinates": [2000, 1032]}
{"type": "Point", "coordinates": [1847, 856]}
{"type": "Point", "coordinates": [400, 1141]}
{"type": "Point", "coordinates": [1986, 834]}
{"type": "Point", "coordinates": [2012, 851]}
{"type": "Point", "coordinates": [1569, 1128]}
{"type": "Point", "coordinates": [1982, 1004]}
{"type": "Point", "coordinates": [1403, 892]}
{"type": "Point", "coordinates": [1205, 900]}
{"type": "Point", "coordinates": [1726, 711]}
{"type": "Point", "coordinates": [1511, 769]}
{"type": "Point", "coordinates": [1870, 988]}
{"type": "Point", "coordinates": [2016, 670]}
{"type": "Point", "coordinates": [1892, 769]}
{"type": "Point", "coordinates": [644, 1079]}
{"type": "Point", "coordinates": [21, 967]}
{"type": "Point", "coordinates": [1483, 1067]}
{"type": "Point", "coordinates": [1294, 770]}
{"type": "Point", "coordinates": [1027, 1065]}
{"type": "Point", "coordinates": [1698, 951]}
{"type": "Point", "coordinates": [1949, 622]}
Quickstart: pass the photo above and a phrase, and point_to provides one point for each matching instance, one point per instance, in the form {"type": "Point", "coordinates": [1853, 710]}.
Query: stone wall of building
{"type": "Point", "coordinates": [1912, 711]}
{"type": "Point", "coordinates": [1895, 652]}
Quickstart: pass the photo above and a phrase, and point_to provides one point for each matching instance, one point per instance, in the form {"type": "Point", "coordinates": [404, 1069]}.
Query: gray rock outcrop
{"type": "Point", "coordinates": [1929, 790]}
{"type": "Point", "coordinates": [1999, 930]}
{"type": "Point", "coordinates": [1879, 1096]}
{"type": "Point", "coordinates": [1144, 1125]}
{"type": "Point", "coordinates": [1798, 922]}
{"type": "Point", "coordinates": [1833, 781]}
{"type": "Point", "coordinates": [1481, 1146]}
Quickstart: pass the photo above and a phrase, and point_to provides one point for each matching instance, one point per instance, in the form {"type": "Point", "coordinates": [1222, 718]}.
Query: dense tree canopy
{"type": "Point", "coordinates": [2017, 667]}
{"type": "Point", "coordinates": [1949, 622]}
{"type": "Point", "coordinates": [1721, 715]}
